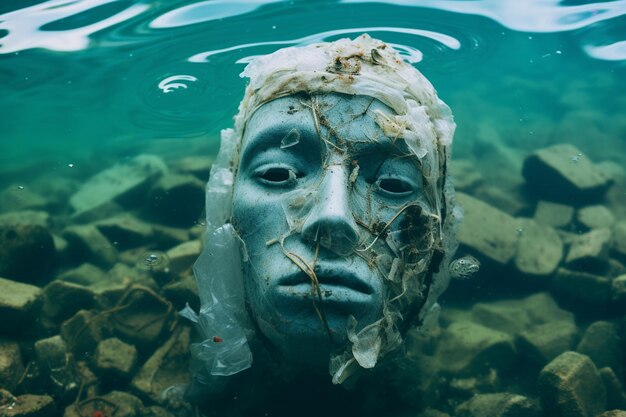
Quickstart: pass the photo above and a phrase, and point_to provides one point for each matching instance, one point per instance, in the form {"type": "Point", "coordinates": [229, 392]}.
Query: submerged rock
{"type": "Point", "coordinates": [115, 403]}
{"type": "Point", "coordinates": [176, 200]}
{"type": "Point", "coordinates": [615, 397]}
{"type": "Point", "coordinates": [125, 183]}
{"type": "Point", "coordinates": [62, 299]}
{"type": "Point", "coordinates": [125, 230]}
{"type": "Point", "coordinates": [29, 405]}
{"type": "Point", "coordinates": [487, 230]}
{"type": "Point", "coordinates": [27, 251]}
{"type": "Point", "coordinates": [602, 344]}
{"type": "Point", "coordinates": [553, 214]}
{"type": "Point", "coordinates": [16, 198]}
{"type": "Point", "coordinates": [18, 304]}
{"type": "Point", "coordinates": [467, 348]}
{"type": "Point", "coordinates": [11, 366]}
{"type": "Point", "coordinates": [618, 244]}
{"type": "Point", "coordinates": [166, 367]}
{"type": "Point", "coordinates": [539, 250]}
{"type": "Point", "coordinates": [502, 404]}
{"type": "Point", "coordinates": [595, 217]}
{"type": "Point", "coordinates": [588, 252]}
{"type": "Point", "coordinates": [87, 243]}
{"type": "Point", "coordinates": [571, 386]}
{"type": "Point", "coordinates": [184, 255]}
{"type": "Point", "coordinates": [114, 358]}
{"type": "Point", "coordinates": [542, 343]}
{"type": "Point", "coordinates": [58, 365]}
{"type": "Point", "coordinates": [563, 173]}
{"type": "Point", "coordinates": [581, 287]}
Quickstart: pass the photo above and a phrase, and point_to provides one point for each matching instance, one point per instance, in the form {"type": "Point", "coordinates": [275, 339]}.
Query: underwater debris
{"type": "Point", "coordinates": [464, 268]}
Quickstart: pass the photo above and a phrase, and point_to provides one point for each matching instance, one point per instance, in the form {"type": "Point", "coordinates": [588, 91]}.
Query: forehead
{"type": "Point", "coordinates": [336, 117]}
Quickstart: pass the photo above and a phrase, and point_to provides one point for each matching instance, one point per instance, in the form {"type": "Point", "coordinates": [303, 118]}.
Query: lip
{"type": "Point", "coordinates": [329, 278]}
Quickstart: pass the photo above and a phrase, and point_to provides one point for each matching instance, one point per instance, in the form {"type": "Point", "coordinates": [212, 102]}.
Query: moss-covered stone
{"type": "Point", "coordinates": [571, 386]}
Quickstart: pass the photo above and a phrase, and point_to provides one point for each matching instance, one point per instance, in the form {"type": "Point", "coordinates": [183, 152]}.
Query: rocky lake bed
{"type": "Point", "coordinates": [95, 266]}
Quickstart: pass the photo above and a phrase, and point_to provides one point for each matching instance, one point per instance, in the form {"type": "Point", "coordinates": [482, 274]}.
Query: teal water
{"type": "Point", "coordinates": [80, 78]}
{"type": "Point", "coordinates": [87, 84]}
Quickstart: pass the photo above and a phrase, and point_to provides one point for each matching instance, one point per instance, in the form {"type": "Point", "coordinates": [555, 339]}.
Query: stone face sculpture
{"type": "Point", "coordinates": [330, 213]}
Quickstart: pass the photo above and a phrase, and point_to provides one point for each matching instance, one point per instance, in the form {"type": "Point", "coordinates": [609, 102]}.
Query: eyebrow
{"type": "Point", "coordinates": [272, 136]}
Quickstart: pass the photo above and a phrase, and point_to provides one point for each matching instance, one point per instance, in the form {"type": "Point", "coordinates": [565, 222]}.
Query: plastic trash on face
{"type": "Point", "coordinates": [365, 67]}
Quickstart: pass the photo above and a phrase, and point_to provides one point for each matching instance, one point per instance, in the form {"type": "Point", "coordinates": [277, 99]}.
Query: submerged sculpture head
{"type": "Point", "coordinates": [329, 211]}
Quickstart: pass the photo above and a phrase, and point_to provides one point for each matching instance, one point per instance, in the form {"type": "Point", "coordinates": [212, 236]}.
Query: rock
{"type": "Point", "coordinates": [602, 344]}
{"type": "Point", "coordinates": [506, 201]}
{"type": "Point", "coordinates": [466, 176]}
{"type": "Point", "coordinates": [87, 243]}
{"type": "Point", "coordinates": [156, 411]}
{"type": "Point", "coordinates": [539, 249]}
{"type": "Point", "coordinates": [469, 386]}
{"type": "Point", "coordinates": [56, 362]}
{"type": "Point", "coordinates": [612, 170]}
{"type": "Point", "coordinates": [125, 230]}
{"type": "Point", "coordinates": [183, 256]}
{"type": "Point", "coordinates": [570, 386]}
{"type": "Point", "coordinates": [502, 404]}
{"type": "Point", "coordinates": [115, 403]}
{"type": "Point", "coordinates": [417, 380]}
{"type": "Point", "coordinates": [514, 315]}
{"type": "Point", "coordinates": [618, 244]}
{"type": "Point", "coordinates": [18, 304]}
{"type": "Point", "coordinates": [487, 230]}
{"type": "Point", "coordinates": [166, 367]}
{"type": "Point", "coordinates": [615, 397]}
{"type": "Point", "coordinates": [613, 413]}
{"type": "Point", "coordinates": [468, 348]}
{"type": "Point", "coordinates": [19, 197]}
{"type": "Point", "coordinates": [86, 274]}
{"type": "Point", "coordinates": [595, 217]}
{"type": "Point", "coordinates": [61, 300]}
{"type": "Point", "coordinates": [83, 331]}
{"type": "Point", "coordinates": [125, 183]}
{"type": "Point", "coordinates": [26, 217]}
{"type": "Point", "coordinates": [176, 200]}
{"type": "Point", "coordinates": [618, 290]}
{"type": "Point", "coordinates": [588, 252]}
{"type": "Point", "coordinates": [167, 237]}
{"type": "Point", "coordinates": [29, 405]}
{"type": "Point", "coordinates": [553, 214]}
{"type": "Point", "coordinates": [120, 278]}
{"type": "Point", "coordinates": [542, 343]}
{"type": "Point", "coordinates": [115, 358]}
{"type": "Point", "coordinates": [431, 412]}
{"type": "Point", "coordinates": [144, 318]}
{"type": "Point", "coordinates": [27, 252]}
{"type": "Point", "coordinates": [562, 173]}
{"type": "Point", "coordinates": [11, 366]}
{"type": "Point", "coordinates": [581, 287]}
{"type": "Point", "coordinates": [182, 292]}
{"type": "Point", "coordinates": [199, 166]}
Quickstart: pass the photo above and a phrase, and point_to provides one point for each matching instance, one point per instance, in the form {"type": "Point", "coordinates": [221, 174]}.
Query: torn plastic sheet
{"type": "Point", "coordinates": [363, 66]}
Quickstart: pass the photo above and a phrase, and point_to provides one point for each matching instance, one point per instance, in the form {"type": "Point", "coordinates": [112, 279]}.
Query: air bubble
{"type": "Point", "coordinates": [464, 268]}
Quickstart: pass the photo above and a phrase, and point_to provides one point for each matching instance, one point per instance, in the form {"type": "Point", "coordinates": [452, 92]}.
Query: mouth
{"type": "Point", "coordinates": [330, 279]}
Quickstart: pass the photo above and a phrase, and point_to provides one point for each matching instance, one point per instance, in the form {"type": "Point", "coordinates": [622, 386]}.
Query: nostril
{"type": "Point", "coordinates": [337, 235]}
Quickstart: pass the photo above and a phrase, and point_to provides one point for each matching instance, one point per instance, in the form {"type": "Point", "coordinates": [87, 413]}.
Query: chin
{"type": "Point", "coordinates": [307, 334]}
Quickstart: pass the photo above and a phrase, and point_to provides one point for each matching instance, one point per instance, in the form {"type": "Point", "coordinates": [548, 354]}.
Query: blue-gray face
{"type": "Point", "coordinates": [324, 202]}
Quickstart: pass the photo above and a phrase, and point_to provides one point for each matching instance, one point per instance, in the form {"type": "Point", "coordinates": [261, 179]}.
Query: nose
{"type": "Point", "coordinates": [330, 222]}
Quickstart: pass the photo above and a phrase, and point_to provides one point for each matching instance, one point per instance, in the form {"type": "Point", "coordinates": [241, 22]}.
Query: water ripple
{"type": "Point", "coordinates": [411, 54]}
{"type": "Point", "coordinates": [524, 16]}
{"type": "Point", "coordinates": [26, 28]}
{"type": "Point", "coordinates": [206, 11]}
